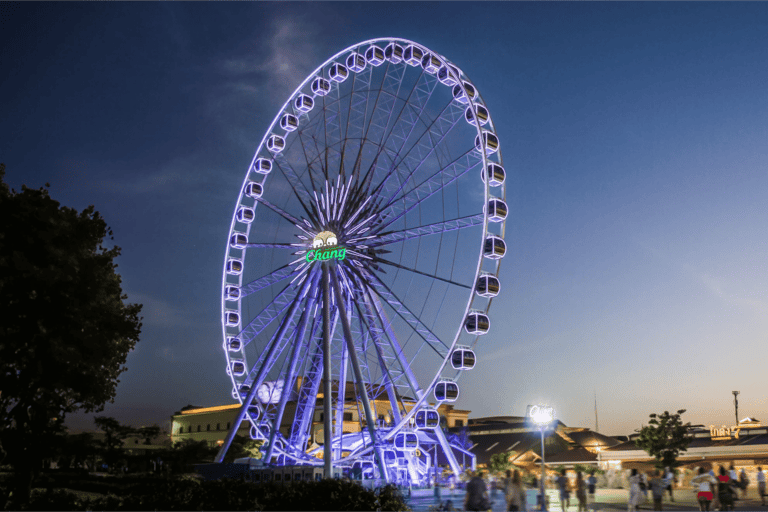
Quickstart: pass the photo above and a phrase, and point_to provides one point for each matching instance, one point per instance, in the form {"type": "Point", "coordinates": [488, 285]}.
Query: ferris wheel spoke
{"type": "Point", "coordinates": [383, 291]}
{"type": "Point", "coordinates": [435, 183]}
{"type": "Point", "coordinates": [282, 301]}
{"type": "Point", "coordinates": [392, 237]}
{"type": "Point", "coordinates": [277, 275]}
{"type": "Point", "coordinates": [282, 213]}
{"type": "Point", "coordinates": [303, 196]}
{"type": "Point", "coordinates": [378, 259]}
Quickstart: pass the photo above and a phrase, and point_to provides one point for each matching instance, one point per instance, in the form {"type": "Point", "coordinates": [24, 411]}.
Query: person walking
{"type": "Point", "coordinates": [515, 494]}
{"type": "Point", "coordinates": [591, 488]}
{"type": "Point", "coordinates": [565, 492]}
{"type": "Point", "coordinates": [658, 485]}
{"type": "Point", "coordinates": [761, 484]}
{"type": "Point", "coordinates": [477, 494]}
{"type": "Point", "coordinates": [743, 483]}
{"type": "Point", "coordinates": [634, 491]}
{"type": "Point", "coordinates": [669, 475]}
{"type": "Point", "coordinates": [725, 490]}
{"type": "Point", "coordinates": [644, 488]}
{"type": "Point", "coordinates": [581, 492]}
{"type": "Point", "coordinates": [706, 484]}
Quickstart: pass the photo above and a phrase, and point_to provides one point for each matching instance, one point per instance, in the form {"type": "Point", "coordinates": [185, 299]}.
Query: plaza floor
{"type": "Point", "coordinates": [605, 500]}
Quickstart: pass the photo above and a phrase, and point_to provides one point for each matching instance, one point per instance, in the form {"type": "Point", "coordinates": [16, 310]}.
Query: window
{"type": "Point", "coordinates": [458, 423]}
{"type": "Point", "coordinates": [198, 428]}
{"type": "Point", "coordinates": [228, 423]}
{"type": "Point", "coordinates": [218, 426]}
{"type": "Point", "coordinates": [347, 416]}
{"type": "Point", "coordinates": [209, 427]}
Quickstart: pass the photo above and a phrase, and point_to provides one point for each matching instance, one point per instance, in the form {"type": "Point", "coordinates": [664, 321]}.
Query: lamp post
{"type": "Point", "coordinates": [542, 416]}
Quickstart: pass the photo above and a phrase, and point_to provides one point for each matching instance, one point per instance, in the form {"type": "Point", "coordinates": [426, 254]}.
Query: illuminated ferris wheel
{"type": "Point", "coordinates": [365, 245]}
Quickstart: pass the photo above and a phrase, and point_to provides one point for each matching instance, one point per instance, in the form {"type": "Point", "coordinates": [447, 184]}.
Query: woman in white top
{"type": "Point", "coordinates": [635, 495]}
{"type": "Point", "coordinates": [761, 484]}
{"type": "Point", "coordinates": [706, 484]}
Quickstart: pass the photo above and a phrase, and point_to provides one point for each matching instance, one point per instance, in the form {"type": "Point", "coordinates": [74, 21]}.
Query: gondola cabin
{"type": "Point", "coordinates": [289, 122]}
{"type": "Point", "coordinates": [275, 143]}
{"type": "Point", "coordinates": [463, 358]}
{"type": "Point", "coordinates": [238, 241]}
{"type": "Point", "coordinates": [363, 468]}
{"type": "Point", "coordinates": [477, 323]}
{"type": "Point", "coordinates": [427, 419]}
{"type": "Point", "coordinates": [320, 86]}
{"type": "Point", "coordinates": [355, 62]}
{"type": "Point", "coordinates": [231, 292]}
{"type": "Point", "coordinates": [234, 267]}
{"type": "Point", "coordinates": [413, 55]}
{"type": "Point", "coordinates": [234, 344]}
{"type": "Point", "coordinates": [232, 318]}
{"type": "Point", "coordinates": [394, 53]}
{"type": "Point", "coordinates": [238, 367]}
{"type": "Point", "coordinates": [245, 215]}
{"type": "Point", "coordinates": [464, 93]}
{"type": "Point", "coordinates": [240, 392]}
{"type": "Point", "coordinates": [303, 103]}
{"type": "Point", "coordinates": [487, 286]}
{"type": "Point", "coordinates": [262, 166]}
{"type": "Point", "coordinates": [496, 172]}
{"type": "Point", "coordinates": [448, 74]}
{"type": "Point", "coordinates": [254, 190]}
{"type": "Point", "coordinates": [338, 72]}
{"type": "Point", "coordinates": [446, 391]}
{"type": "Point", "coordinates": [494, 248]}
{"type": "Point", "coordinates": [406, 441]}
{"type": "Point", "coordinates": [490, 141]}
{"type": "Point", "coordinates": [497, 210]}
{"type": "Point", "coordinates": [431, 63]}
{"type": "Point", "coordinates": [481, 115]}
{"type": "Point", "coordinates": [390, 457]}
{"type": "Point", "coordinates": [374, 55]}
{"type": "Point", "coordinates": [254, 412]}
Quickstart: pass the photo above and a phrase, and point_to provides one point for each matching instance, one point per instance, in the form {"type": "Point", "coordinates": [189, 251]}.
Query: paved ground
{"type": "Point", "coordinates": [606, 499]}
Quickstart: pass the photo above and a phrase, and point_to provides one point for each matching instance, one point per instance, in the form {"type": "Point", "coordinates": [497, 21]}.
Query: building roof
{"type": "Point", "coordinates": [587, 438]}
{"type": "Point", "coordinates": [575, 456]}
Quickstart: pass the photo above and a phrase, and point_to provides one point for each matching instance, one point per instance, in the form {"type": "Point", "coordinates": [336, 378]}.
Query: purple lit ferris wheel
{"type": "Point", "coordinates": [365, 245]}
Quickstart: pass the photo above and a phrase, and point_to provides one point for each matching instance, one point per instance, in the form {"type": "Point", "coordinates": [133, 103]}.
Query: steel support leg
{"type": "Point", "coordinates": [327, 434]}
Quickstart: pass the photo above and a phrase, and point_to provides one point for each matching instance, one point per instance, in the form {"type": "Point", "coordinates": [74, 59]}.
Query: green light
{"type": "Point", "coordinates": [328, 253]}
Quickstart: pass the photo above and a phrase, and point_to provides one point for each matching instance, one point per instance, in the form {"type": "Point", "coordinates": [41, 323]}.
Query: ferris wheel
{"type": "Point", "coordinates": [365, 245]}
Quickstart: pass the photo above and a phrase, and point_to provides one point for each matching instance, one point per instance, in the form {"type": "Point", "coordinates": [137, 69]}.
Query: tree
{"type": "Point", "coordinates": [244, 447]}
{"type": "Point", "coordinates": [66, 330]}
{"type": "Point", "coordinates": [114, 435]}
{"type": "Point", "coordinates": [664, 438]}
{"type": "Point", "coordinates": [500, 462]}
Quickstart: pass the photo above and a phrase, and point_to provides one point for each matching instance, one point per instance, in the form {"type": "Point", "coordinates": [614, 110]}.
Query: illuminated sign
{"type": "Point", "coordinates": [324, 248]}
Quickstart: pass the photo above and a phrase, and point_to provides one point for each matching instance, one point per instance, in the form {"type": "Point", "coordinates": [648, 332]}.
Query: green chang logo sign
{"type": "Point", "coordinates": [324, 248]}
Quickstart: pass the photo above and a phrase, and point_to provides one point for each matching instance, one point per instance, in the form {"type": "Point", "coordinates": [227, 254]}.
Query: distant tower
{"type": "Point", "coordinates": [596, 429]}
{"type": "Point", "coordinates": [736, 405]}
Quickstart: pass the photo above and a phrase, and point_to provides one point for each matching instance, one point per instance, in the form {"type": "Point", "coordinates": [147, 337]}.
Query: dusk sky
{"type": "Point", "coordinates": [634, 135]}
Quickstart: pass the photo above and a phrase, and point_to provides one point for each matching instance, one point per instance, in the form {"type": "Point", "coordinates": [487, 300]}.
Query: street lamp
{"type": "Point", "coordinates": [542, 416]}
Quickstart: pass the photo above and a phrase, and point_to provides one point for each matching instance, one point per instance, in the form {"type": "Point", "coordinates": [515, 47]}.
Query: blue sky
{"type": "Point", "coordinates": [634, 137]}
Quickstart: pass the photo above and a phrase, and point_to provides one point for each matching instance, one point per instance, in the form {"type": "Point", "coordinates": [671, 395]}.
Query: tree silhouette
{"type": "Point", "coordinates": [664, 438]}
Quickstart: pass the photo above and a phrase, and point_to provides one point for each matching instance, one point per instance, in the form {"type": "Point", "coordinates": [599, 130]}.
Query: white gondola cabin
{"type": "Point", "coordinates": [234, 267]}
{"type": "Point", "coordinates": [238, 367]}
{"type": "Point", "coordinates": [431, 63]}
{"type": "Point", "coordinates": [446, 391]}
{"type": "Point", "coordinates": [413, 55]}
{"type": "Point", "coordinates": [303, 103]}
{"type": "Point", "coordinates": [448, 74]}
{"type": "Point", "coordinates": [289, 122]}
{"type": "Point", "coordinates": [491, 142]}
{"type": "Point", "coordinates": [238, 241]}
{"type": "Point", "coordinates": [241, 392]}
{"type": "Point", "coordinates": [364, 468]}
{"type": "Point", "coordinates": [234, 344]}
{"type": "Point", "coordinates": [245, 215]}
{"type": "Point", "coordinates": [427, 419]}
{"type": "Point", "coordinates": [355, 62]}
{"type": "Point", "coordinates": [394, 53]}
{"type": "Point", "coordinates": [231, 292]}
{"type": "Point", "coordinates": [487, 285]}
{"type": "Point", "coordinates": [374, 55]}
{"type": "Point", "coordinates": [494, 248]}
{"type": "Point", "coordinates": [477, 323]}
{"type": "Point", "coordinates": [338, 72]}
{"type": "Point", "coordinates": [463, 358]}
{"type": "Point", "coordinates": [254, 190]}
{"type": "Point", "coordinates": [406, 441]}
{"type": "Point", "coordinates": [275, 143]}
{"type": "Point", "coordinates": [254, 412]}
{"type": "Point", "coordinates": [320, 86]}
{"type": "Point", "coordinates": [496, 172]}
{"type": "Point", "coordinates": [232, 318]}
{"type": "Point", "coordinates": [262, 166]}
{"type": "Point", "coordinates": [472, 118]}
{"type": "Point", "coordinates": [497, 210]}
{"type": "Point", "coordinates": [463, 97]}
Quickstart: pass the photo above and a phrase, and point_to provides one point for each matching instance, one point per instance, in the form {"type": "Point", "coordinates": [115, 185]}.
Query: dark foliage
{"type": "Point", "coordinates": [664, 438]}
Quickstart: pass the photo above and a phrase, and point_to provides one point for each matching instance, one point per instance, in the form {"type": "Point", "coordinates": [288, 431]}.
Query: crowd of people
{"type": "Point", "coordinates": [714, 490]}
